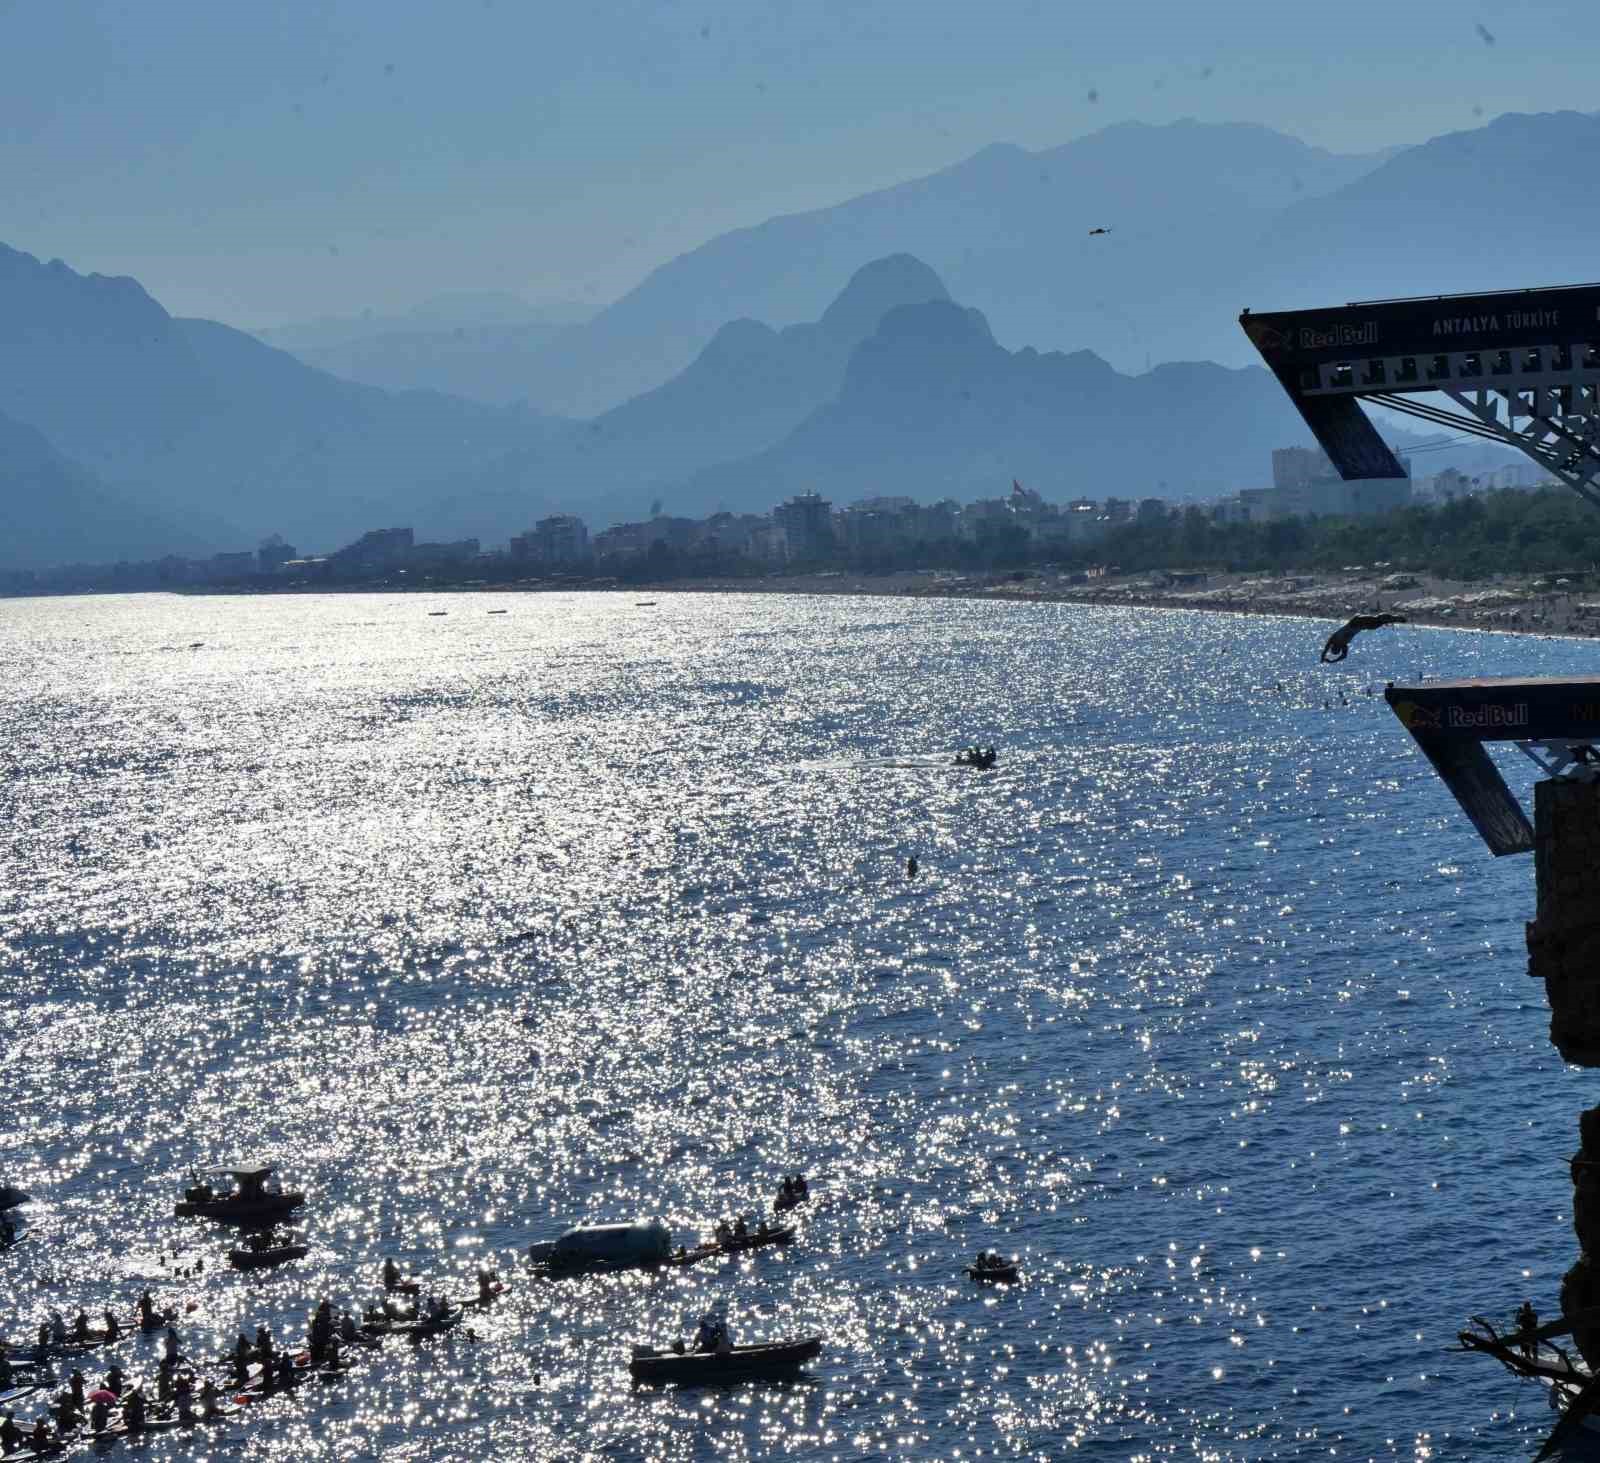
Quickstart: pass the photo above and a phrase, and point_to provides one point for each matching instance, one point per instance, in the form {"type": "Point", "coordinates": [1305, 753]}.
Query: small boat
{"type": "Point", "coordinates": [414, 1328]}
{"type": "Point", "coordinates": [499, 612]}
{"type": "Point", "coordinates": [982, 759]}
{"type": "Point", "coordinates": [708, 1368]}
{"type": "Point", "coordinates": [250, 1201]}
{"type": "Point", "coordinates": [434, 614]}
{"type": "Point", "coordinates": [644, 604]}
{"type": "Point", "coordinates": [1006, 1274]}
{"type": "Point", "coordinates": [265, 1258]}
{"type": "Point", "coordinates": [756, 1240]}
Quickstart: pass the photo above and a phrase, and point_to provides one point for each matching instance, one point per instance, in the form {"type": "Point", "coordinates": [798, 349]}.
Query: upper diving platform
{"type": "Point", "coordinates": [1521, 368]}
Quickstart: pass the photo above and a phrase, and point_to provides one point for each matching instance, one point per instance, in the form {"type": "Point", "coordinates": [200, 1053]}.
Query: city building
{"type": "Point", "coordinates": [562, 538]}
{"type": "Point", "coordinates": [807, 524]}
{"type": "Point", "coordinates": [377, 548]}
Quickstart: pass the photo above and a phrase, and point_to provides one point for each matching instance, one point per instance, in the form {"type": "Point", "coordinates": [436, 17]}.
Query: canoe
{"type": "Point", "coordinates": [709, 1368]}
{"type": "Point", "coordinates": [1001, 1274]}
{"type": "Point", "coordinates": [264, 1259]}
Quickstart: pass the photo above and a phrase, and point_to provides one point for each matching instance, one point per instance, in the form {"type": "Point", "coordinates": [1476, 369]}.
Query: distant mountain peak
{"type": "Point", "coordinates": [877, 288]}
{"type": "Point", "coordinates": [941, 322]}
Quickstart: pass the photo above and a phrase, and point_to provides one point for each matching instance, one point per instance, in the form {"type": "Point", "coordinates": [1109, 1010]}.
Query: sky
{"type": "Point", "coordinates": [269, 163]}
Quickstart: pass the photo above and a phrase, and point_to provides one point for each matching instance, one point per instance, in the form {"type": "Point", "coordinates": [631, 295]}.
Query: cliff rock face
{"type": "Point", "coordinates": [1564, 937]}
{"type": "Point", "coordinates": [1564, 952]}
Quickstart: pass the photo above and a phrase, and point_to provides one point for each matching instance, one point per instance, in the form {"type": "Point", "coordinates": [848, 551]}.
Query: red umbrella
{"type": "Point", "coordinates": [103, 1394]}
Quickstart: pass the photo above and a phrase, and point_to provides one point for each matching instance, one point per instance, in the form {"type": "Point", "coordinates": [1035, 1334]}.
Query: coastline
{"type": "Point", "coordinates": [1518, 607]}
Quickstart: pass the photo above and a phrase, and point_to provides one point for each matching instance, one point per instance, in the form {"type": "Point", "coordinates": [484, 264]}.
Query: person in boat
{"type": "Point", "coordinates": [8, 1232]}
{"type": "Point", "coordinates": [488, 1283]}
{"type": "Point", "coordinates": [741, 1230]}
{"type": "Point", "coordinates": [39, 1438]}
{"type": "Point", "coordinates": [710, 1333]}
{"type": "Point", "coordinates": [169, 1347]}
{"type": "Point", "coordinates": [1527, 1324]}
{"type": "Point", "coordinates": [99, 1415]}
{"type": "Point", "coordinates": [115, 1381]}
{"type": "Point", "coordinates": [285, 1371]}
{"type": "Point", "coordinates": [166, 1377]}
{"type": "Point", "coordinates": [133, 1411]}
{"type": "Point", "coordinates": [80, 1326]}
{"type": "Point", "coordinates": [723, 1232]}
{"type": "Point", "coordinates": [333, 1357]}
{"type": "Point", "coordinates": [263, 1344]}
{"type": "Point", "coordinates": [208, 1398]}
{"type": "Point", "coordinates": [10, 1434]}
{"type": "Point", "coordinates": [348, 1328]}
{"type": "Point", "coordinates": [68, 1413]}
{"type": "Point", "coordinates": [5, 1371]}
{"type": "Point", "coordinates": [321, 1332]}
{"type": "Point", "coordinates": [147, 1312]}
{"type": "Point", "coordinates": [183, 1395]}
{"type": "Point", "coordinates": [113, 1327]}
{"type": "Point", "coordinates": [392, 1278]}
{"type": "Point", "coordinates": [44, 1337]}
{"type": "Point", "coordinates": [801, 1187]}
{"type": "Point", "coordinates": [58, 1329]}
{"type": "Point", "coordinates": [75, 1387]}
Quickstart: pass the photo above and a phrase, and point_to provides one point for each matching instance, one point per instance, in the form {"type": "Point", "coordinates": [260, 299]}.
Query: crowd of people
{"type": "Point", "coordinates": [259, 1366]}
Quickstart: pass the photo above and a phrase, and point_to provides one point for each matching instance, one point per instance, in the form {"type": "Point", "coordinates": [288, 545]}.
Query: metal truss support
{"type": "Point", "coordinates": [1560, 758]}
{"type": "Point", "coordinates": [1563, 442]}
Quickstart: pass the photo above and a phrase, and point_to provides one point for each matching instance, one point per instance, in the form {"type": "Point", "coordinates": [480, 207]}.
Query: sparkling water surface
{"type": "Point", "coordinates": [1207, 1003]}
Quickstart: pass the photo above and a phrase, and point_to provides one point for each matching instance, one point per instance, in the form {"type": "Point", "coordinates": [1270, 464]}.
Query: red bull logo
{"type": "Point", "coordinates": [1418, 718]}
{"type": "Point", "coordinates": [1484, 718]}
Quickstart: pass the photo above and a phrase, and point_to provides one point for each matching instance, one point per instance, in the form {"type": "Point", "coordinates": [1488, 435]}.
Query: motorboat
{"type": "Point", "coordinates": [249, 1201]}
{"type": "Point", "coordinates": [731, 1364]}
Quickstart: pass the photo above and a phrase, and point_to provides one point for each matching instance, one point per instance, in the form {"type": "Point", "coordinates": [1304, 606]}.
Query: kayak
{"type": "Point", "coordinates": [242, 1259]}
{"type": "Point", "coordinates": [708, 1368]}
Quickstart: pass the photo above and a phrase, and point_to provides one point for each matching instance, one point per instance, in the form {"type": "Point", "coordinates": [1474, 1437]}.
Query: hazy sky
{"type": "Point", "coordinates": [272, 161]}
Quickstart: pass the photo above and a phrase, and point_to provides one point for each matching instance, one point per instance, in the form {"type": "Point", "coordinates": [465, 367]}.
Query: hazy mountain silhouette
{"type": "Point", "coordinates": [1505, 206]}
{"type": "Point", "coordinates": [54, 511]}
{"type": "Point", "coordinates": [1008, 230]}
{"type": "Point", "coordinates": [747, 389]}
{"type": "Point", "coordinates": [932, 406]}
{"type": "Point", "coordinates": [191, 418]}
{"type": "Point", "coordinates": [438, 315]}
{"type": "Point", "coordinates": [471, 344]}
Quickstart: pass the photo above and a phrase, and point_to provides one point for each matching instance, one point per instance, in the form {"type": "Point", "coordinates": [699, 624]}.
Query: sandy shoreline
{"type": "Point", "coordinates": [1526, 605]}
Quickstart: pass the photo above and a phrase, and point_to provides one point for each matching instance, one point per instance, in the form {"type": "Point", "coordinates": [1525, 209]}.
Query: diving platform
{"type": "Point", "coordinates": [1553, 720]}
{"type": "Point", "coordinates": [1521, 368]}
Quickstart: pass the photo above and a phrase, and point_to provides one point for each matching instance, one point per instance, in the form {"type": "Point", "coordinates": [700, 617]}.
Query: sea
{"type": "Point", "coordinates": [484, 915]}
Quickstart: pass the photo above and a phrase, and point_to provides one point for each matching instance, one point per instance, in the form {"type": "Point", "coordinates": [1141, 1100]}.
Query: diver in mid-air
{"type": "Point", "coordinates": [1338, 645]}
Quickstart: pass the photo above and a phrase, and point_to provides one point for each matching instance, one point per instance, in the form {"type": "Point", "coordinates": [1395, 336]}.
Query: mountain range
{"type": "Point", "coordinates": [202, 424]}
{"type": "Point", "coordinates": [1203, 219]}
{"type": "Point", "coordinates": [196, 435]}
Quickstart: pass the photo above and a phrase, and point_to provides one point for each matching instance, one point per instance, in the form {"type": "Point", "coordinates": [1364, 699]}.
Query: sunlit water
{"type": "Point", "coordinates": [1207, 1003]}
